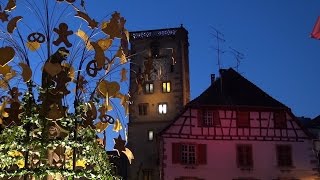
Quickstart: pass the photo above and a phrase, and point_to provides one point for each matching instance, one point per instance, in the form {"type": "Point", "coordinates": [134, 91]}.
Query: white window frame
{"type": "Point", "coordinates": [162, 108]}
{"type": "Point", "coordinates": [188, 154]}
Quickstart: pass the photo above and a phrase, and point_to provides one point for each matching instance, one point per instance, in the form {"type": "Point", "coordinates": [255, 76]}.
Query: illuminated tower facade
{"type": "Point", "coordinates": [159, 87]}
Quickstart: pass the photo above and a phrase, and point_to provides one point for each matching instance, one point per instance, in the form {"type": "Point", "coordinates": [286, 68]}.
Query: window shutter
{"type": "Point", "coordinates": [200, 117]}
{"type": "Point", "coordinates": [250, 156]}
{"type": "Point", "coordinates": [280, 120]}
{"type": "Point", "coordinates": [243, 119]}
{"type": "Point", "coordinates": [176, 153]}
{"type": "Point", "coordinates": [202, 154]}
{"type": "Point", "coordinates": [216, 118]}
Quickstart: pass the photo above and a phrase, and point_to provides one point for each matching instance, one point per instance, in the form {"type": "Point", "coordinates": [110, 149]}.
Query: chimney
{"type": "Point", "coordinates": [212, 78]}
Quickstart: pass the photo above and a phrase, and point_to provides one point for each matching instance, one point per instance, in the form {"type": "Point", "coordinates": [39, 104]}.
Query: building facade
{"type": "Point", "coordinates": [159, 83]}
{"type": "Point", "coordinates": [235, 131]}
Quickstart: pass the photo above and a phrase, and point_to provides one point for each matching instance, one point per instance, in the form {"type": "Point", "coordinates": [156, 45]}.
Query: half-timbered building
{"type": "Point", "coordinates": [236, 131]}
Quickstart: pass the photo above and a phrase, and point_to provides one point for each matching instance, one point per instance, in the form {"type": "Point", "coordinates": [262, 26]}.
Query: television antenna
{"type": "Point", "coordinates": [238, 55]}
{"type": "Point", "coordinates": [220, 38]}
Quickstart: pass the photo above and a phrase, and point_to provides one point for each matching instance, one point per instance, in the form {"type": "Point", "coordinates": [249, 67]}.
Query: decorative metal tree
{"type": "Point", "coordinates": [59, 89]}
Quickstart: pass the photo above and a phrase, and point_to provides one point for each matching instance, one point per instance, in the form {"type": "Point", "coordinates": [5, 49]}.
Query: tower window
{"type": "Point", "coordinates": [162, 108]}
{"type": "Point", "coordinates": [143, 109]}
{"type": "Point", "coordinates": [166, 87]}
{"type": "Point", "coordinates": [148, 88]}
{"type": "Point", "coordinates": [150, 135]}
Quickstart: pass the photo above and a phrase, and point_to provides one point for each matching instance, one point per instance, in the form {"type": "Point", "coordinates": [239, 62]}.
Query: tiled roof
{"type": "Point", "coordinates": [314, 123]}
{"type": "Point", "coordinates": [232, 89]}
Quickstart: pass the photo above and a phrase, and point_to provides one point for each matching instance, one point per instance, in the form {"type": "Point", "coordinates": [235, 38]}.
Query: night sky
{"type": "Point", "coordinates": [274, 36]}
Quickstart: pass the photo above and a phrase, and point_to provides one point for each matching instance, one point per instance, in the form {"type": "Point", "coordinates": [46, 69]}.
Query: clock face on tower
{"type": "Point", "coordinates": [159, 70]}
{"type": "Point", "coordinates": [156, 68]}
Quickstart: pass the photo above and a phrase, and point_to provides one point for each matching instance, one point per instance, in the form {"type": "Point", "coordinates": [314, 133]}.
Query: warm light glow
{"type": "Point", "coordinates": [149, 88]}
{"type": "Point", "coordinates": [163, 108]}
{"type": "Point", "coordinates": [150, 135]}
{"type": "Point", "coordinates": [166, 87]}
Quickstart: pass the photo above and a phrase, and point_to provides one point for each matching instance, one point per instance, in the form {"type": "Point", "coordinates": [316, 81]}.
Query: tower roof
{"type": "Point", "coordinates": [232, 89]}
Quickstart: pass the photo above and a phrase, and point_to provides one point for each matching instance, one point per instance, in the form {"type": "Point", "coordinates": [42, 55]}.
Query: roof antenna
{"type": "Point", "coordinates": [238, 55]}
{"type": "Point", "coordinates": [220, 38]}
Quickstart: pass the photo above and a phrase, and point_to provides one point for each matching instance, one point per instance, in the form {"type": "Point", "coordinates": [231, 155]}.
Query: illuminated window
{"type": "Point", "coordinates": [148, 88]}
{"type": "Point", "coordinates": [284, 155]}
{"type": "Point", "coordinates": [166, 87]}
{"type": "Point", "coordinates": [244, 155]}
{"type": "Point", "coordinates": [150, 135]}
{"type": "Point", "coordinates": [147, 174]}
{"type": "Point", "coordinates": [188, 154]}
{"type": "Point", "coordinates": [162, 108]}
{"type": "Point", "coordinates": [143, 109]}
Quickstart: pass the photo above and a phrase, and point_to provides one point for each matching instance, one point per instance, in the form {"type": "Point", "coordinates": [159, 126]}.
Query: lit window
{"type": "Point", "coordinates": [162, 108]}
{"type": "Point", "coordinates": [150, 135]}
{"type": "Point", "coordinates": [188, 154]}
{"type": "Point", "coordinates": [284, 155]}
{"type": "Point", "coordinates": [166, 87]}
{"type": "Point", "coordinates": [148, 88]}
{"type": "Point", "coordinates": [244, 155]}
{"type": "Point", "coordinates": [143, 109]}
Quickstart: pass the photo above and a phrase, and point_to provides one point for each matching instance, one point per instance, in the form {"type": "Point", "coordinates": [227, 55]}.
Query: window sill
{"type": "Point", "coordinates": [246, 168]}
{"type": "Point", "coordinates": [191, 166]}
{"type": "Point", "coordinates": [285, 168]}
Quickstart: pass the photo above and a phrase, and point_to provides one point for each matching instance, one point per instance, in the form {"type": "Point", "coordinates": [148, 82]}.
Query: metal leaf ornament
{"type": "Point", "coordinates": [99, 55]}
{"type": "Point", "coordinates": [5, 80]}
{"type": "Point", "coordinates": [7, 53]}
{"type": "Point", "coordinates": [119, 144]}
{"type": "Point", "coordinates": [117, 126]}
{"type": "Point", "coordinates": [4, 16]}
{"type": "Point", "coordinates": [120, 54]}
{"type": "Point", "coordinates": [11, 5]}
{"type": "Point", "coordinates": [85, 39]}
{"type": "Point", "coordinates": [26, 72]}
{"type": "Point", "coordinates": [12, 24]}
{"type": "Point", "coordinates": [123, 75]}
{"type": "Point", "coordinates": [105, 43]}
{"type": "Point", "coordinates": [3, 113]}
{"type": "Point", "coordinates": [129, 155]}
{"type": "Point", "coordinates": [101, 126]}
{"type": "Point", "coordinates": [5, 70]}
{"type": "Point", "coordinates": [113, 28]}
{"type": "Point", "coordinates": [33, 46]}
{"type": "Point", "coordinates": [91, 22]}
{"type": "Point", "coordinates": [109, 89]}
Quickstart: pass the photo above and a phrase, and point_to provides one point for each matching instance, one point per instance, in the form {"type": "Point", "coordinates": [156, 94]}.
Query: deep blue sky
{"type": "Point", "coordinates": [274, 36]}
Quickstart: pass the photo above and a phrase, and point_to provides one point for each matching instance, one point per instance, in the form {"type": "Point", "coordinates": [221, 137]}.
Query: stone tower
{"type": "Point", "coordinates": [159, 87]}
